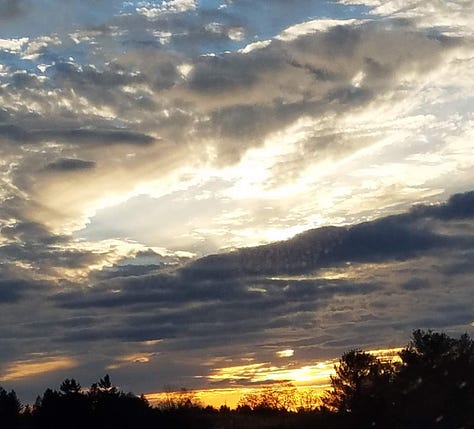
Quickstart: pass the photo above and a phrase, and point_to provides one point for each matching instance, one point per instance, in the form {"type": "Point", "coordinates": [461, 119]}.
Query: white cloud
{"type": "Point", "coordinates": [285, 353]}
{"type": "Point", "coordinates": [292, 33]}
{"type": "Point", "coordinates": [13, 45]}
{"type": "Point", "coordinates": [255, 45]}
{"type": "Point", "coordinates": [151, 11]}
{"type": "Point", "coordinates": [453, 17]}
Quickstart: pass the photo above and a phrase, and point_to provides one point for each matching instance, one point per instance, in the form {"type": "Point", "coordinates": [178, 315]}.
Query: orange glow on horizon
{"type": "Point", "coordinates": [229, 397]}
{"type": "Point", "coordinates": [265, 375]}
{"type": "Point", "coordinates": [266, 372]}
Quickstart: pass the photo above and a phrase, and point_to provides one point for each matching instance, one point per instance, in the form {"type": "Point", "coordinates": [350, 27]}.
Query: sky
{"type": "Point", "coordinates": [148, 150]}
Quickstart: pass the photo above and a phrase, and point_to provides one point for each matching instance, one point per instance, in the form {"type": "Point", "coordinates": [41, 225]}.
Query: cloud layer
{"type": "Point", "coordinates": [135, 136]}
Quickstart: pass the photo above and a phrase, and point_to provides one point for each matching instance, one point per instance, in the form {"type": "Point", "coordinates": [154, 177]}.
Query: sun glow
{"type": "Point", "coordinates": [266, 372]}
{"type": "Point", "coordinates": [315, 377]}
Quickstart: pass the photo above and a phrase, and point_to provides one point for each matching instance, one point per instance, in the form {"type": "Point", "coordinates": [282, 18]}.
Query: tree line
{"type": "Point", "coordinates": [431, 385]}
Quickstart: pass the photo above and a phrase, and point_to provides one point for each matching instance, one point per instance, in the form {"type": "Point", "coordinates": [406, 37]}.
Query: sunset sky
{"type": "Point", "coordinates": [137, 138]}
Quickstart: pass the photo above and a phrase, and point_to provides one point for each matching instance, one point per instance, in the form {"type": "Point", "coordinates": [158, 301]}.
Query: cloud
{"type": "Point", "coordinates": [12, 291]}
{"type": "Point", "coordinates": [75, 136]}
{"type": "Point", "coordinates": [177, 136]}
{"type": "Point", "coordinates": [172, 6]}
{"type": "Point", "coordinates": [415, 284]}
{"type": "Point", "coordinates": [367, 300]}
{"type": "Point", "coordinates": [389, 238]}
{"type": "Point", "coordinates": [453, 16]}
{"type": "Point", "coordinates": [29, 368]}
{"type": "Point", "coordinates": [225, 107]}
{"type": "Point", "coordinates": [459, 206]}
{"type": "Point", "coordinates": [25, 232]}
{"type": "Point", "coordinates": [10, 9]}
{"type": "Point", "coordinates": [69, 164]}
{"type": "Point", "coordinates": [352, 286]}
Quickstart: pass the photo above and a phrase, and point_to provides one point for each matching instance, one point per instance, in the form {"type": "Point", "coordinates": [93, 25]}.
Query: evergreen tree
{"type": "Point", "coordinates": [10, 408]}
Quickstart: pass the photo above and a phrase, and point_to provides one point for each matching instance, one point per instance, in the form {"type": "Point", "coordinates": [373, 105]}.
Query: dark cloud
{"type": "Point", "coordinates": [11, 291]}
{"type": "Point", "coordinates": [350, 96]}
{"type": "Point", "coordinates": [113, 77]}
{"type": "Point", "coordinates": [235, 313]}
{"type": "Point", "coordinates": [30, 250]}
{"type": "Point", "coordinates": [415, 284]}
{"type": "Point", "coordinates": [24, 80]}
{"type": "Point", "coordinates": [228, 291]}
{"type": "Point", "coordinates": [228, 305]}
{"type": "Point", "coordinates": [459, 206]}
{"type": "Point", "coordinates": [11, 9]}
{"type": "Point", "coordinates": [179, 306]}
{"type": "Point", "coordinates": [162, 288]}
{"type": "Point", "coordinates": [232, 71]}
{"type": "Point", "coordinates": [395, 237]}
{"type": "Point", "coordinates": [30, 232]}
{"type": "Point", "coordinates": [128, 271]}
{"type": "Point", "coordinates": [15, 133]}
{"type": "Point", "coordinates": [441, 321]}
{"type": "Point", "coordinates": [462, 265]}
{"type": "Point", "coordinates": [75, 136]}
{"type": "Point", "coordinates": [86, 136]}
{"type": "Point", "coordinates": [44, 259]}
{"type": "Point", "coordinates": [70, 164]}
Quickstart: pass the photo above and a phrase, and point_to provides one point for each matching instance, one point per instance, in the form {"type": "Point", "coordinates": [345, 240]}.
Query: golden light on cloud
{"type": "Point", "coordinates": [317, 374]}
{"type": "Point", "coordinates": [266, 372]}
{"type": "Point", "coordinates": [130, 359]}
{"type": "Point", "coordinates": [30, 368]}
{"type": "Point", "coordinates": [237, 372]}
{"type": "Point", "coordinates": [310, 374]}
{"type": "Point", "coordinates": [150, 343]}
{"type": "Point", "coordinates": [285, 353]}
{"type": "Point", "coordinates": [355, 271]}
{"type": "Point", "coordinates": [311, 380]}
{"type": "Point", "coordinates": [101, 254]}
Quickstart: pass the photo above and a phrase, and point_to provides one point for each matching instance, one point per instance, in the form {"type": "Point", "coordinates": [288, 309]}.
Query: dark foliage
{"type": "Point", "coordinates": [101, 406]}
{"type": "Point", "coordinates": [430, 386]}
{"type": "Point", "coordinates": [10, 407]}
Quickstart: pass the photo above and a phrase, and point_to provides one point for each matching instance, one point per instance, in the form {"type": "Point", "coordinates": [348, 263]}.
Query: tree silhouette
{"type": "Point", "coordinates": [70, 387]}
{"type": "Point", "coordinates": [113, 408]}
{"type": "Point", "coordinates": [436, 381]}
{"type": "Point", "coordinates": [179, 399]}
{"type": "Point", "coordinates": [432, 387]}
{"type": "Point", "coordinates": [10, 407]}
{"type": "Point", "coordinates": [47, 410]}
{"type": "Point", "coordinates": [281, 397]}
{"type": "Point", "coordinates": [360, 388]}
